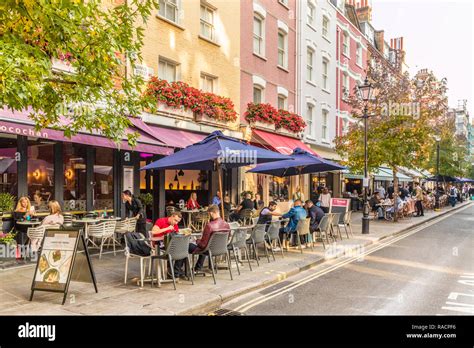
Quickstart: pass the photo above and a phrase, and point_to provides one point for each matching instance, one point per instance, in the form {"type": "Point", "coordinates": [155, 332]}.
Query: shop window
{"type": "Point", "coordinates": [279, 189]}
{"type": "Point", "coordinates": [103, 188]}
{"type": "Point", "coordinates": [75, 182]}
{"type": "Point", "coordinates": [40, 173]}
{"type": "Point", "coordinates": [8, 165]}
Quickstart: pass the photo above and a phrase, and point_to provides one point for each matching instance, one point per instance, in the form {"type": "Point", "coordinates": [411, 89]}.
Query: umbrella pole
{"type": "Point", "coordinates": [219, 170]}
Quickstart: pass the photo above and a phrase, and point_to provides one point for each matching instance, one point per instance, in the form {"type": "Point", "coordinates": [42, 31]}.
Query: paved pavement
{"type": "Point", "coordinates": [429, 272]}
{"type": "Point", "coordinates": [114, 297]}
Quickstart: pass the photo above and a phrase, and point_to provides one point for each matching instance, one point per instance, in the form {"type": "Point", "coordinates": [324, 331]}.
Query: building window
{"type": "Point", "coordinates": [282, 102]}
{"type": "Point", "coordinates": [324, 125]}
{"type": "Point", "coordinates": [325, 27]}
{"type": "Point", "coordinates": [282, 49]}
{"type": "Point", "coordinates": [169, 10]}
{"type": "Point", "coordinates": [167, 70]}
{"type": "Point", "coordinates": [309, 65]}
{"type": "Point", "coordinates": [8, 165]}
{"type": "Point", "coordinates": [258, 35]}
{"type": "Point", "coordinates": [207, 22]}
{"type": "Point", "coordinates": [325, 74]}
{"type": "Point", "coordinates": [208, 83]}
{"type": "Point", "coordinates": [75, 182]}
{"type": "Point", "coordinates": [309, 119]}
{"type": "Point", "coordinates": [345, 44]}
{"type": "Point", "coordinates": [104, 179]}
{"type": "Point", "coordinates": [359, 54]}
{"type": "Point", "coordinates": [345, 85]}
{"type": "Point", "coordinates": [258, 94]}
{"type": "Point", "coordinates": [40, 173]}
{"type": "Point", "coordinates": [283, 2]}
{"type": "Point", "coordinates": [311, 13]}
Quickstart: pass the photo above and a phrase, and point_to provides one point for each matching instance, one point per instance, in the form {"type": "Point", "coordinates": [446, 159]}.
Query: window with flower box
{"type": "Point", "coordinates": [167, 70]}
{"type": "Point", "coordinates": [208, 83]}
{"type": "Point", "coordinates": [258, 94]}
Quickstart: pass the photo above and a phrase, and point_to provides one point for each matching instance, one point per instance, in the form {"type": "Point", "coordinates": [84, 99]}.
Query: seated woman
{"type": "Point", "coordinates": [55, 216]}
{"type": "Point", "coordinates": [192, 202]}
{"type": "Point", "coordinates": [376, 205]}
{"type": "Point", "coordinates": [23, 210]}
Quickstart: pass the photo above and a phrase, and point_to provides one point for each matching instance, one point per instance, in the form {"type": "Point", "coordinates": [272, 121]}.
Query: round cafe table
{"type": "Point", "coordinates": [28, 223]}
{"type": "Point", "coordinates": [189, 213]}
{"type": "Point", "coordinates": [86, 222]}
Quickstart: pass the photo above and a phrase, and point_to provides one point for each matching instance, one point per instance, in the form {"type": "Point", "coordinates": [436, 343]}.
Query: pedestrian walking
{"type": "Point", "coordinates": [453, 196]}
{"type": "Point", "coordinates": [419, 199]}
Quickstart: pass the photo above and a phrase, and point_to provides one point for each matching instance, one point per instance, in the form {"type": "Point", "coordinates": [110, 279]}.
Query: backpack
{"type": "Point", "coordinates": [452, 192]}
{"type": "Point", "coordinates": [137, 244]}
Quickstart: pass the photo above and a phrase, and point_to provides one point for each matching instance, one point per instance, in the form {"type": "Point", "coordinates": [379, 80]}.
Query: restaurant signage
{"type": "Point", "coordinates": [339, 205]}
{"type": "Point", "coordinates": [63, 257]}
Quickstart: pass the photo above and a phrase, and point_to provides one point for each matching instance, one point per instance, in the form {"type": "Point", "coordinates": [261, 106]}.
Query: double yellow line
{"type": "Point", "coordinates": [261, 299]}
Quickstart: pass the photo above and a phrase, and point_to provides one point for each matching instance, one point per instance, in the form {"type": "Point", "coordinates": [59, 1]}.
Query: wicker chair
{"type": "Point", "coordinates": [105, 231]}
{"type": "Point", "coordinates": [273, 234]}
{"type": "Point", "coordinates": [246, 216]}
{"type": "Point", "coordinates": [35, 237]}
{"type": "Point", "coordinates": [336, 217]}
{"type": "Point", "coordinates": [199, 220]}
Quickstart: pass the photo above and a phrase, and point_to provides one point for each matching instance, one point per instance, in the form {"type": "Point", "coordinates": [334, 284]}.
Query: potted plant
{"type": "Point", "coordinates": [146, 199]}
{"type": "Point", "coordinates": [7, 203]}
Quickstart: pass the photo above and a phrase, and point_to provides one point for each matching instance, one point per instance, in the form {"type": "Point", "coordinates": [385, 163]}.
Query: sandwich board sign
{"type": "Point", "coordinates": [63, 257]}
{"type": "Point", "coordinates": [339, 205]}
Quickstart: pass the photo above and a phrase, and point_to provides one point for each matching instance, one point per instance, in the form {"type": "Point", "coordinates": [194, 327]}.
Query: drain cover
{"type": "Point", "coordinates": [225, 312]}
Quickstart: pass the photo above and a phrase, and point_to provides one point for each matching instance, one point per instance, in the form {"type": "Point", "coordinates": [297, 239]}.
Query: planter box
{"type": "Point", "coordinates": [287, 133]}
{"type": "Point", "coordinates": [263, 125]}
{"type": "Point", "coordinates": [180, 112]}
{"type": "Point", "coordinates": [206, 119]}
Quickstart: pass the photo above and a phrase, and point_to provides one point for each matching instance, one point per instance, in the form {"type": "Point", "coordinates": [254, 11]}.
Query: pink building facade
{"type": "Point", "coordinates": [268, 53]}
{"type": "Point", "coordinates": [351, 66]}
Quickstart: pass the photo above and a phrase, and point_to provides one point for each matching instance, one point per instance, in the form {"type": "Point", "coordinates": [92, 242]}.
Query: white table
{"type": "Point", "coordinates": [87, 222]}
{"type": "Point", "coordinates": [28, 223]}
{"type": "Point", "coordinates": [188, 219]}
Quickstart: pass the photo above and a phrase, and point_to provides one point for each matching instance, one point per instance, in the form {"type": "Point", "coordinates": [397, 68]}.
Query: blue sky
{"type": "Point", "coordinates": [438, 35]}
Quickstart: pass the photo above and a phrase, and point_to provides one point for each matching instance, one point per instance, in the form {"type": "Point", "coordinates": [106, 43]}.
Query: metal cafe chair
{"type": "Point", "coordinates": [302, 230]}
{"type": "Point", "coordinates": [246, 216]}
{"type": "Point", "coordinates": [104, 231]}
{"type": "Point", "coordinates": [336, 217]}
{"type": "Point", "coordinates": [273, 234]}
{"type": "Point", "coordinates": [258, 237]}
{"type": "Point", "coordinates": [217, 246]}
{"type": "Point", "coordinates": [238, 242]}
{"type": "Point", "coordinates": [176, 250]}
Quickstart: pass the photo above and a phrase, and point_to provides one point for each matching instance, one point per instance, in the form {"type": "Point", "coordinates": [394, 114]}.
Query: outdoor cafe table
{"type": "Point", "coordinates": [29, 223]}
{"type": "Point", "coordinates": [189, 213]}
{"type": "Point", "coordinates": [87, 222]}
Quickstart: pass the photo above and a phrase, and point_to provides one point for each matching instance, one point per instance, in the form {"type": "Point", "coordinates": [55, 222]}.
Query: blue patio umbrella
{"type": "Point", "coordinates": [216, 152]}
{"type": "Point", "coordinates": [302, 162]}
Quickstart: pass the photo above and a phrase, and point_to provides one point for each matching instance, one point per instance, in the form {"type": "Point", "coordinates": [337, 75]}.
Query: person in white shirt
{"type": "Point", "coordinates": [381, 191]}
{"type": "Point", "coordinates": [325, 200]}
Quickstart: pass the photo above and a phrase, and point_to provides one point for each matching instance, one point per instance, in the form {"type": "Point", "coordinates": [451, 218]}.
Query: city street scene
{"type": "Point", "coordinates": [236, 158]}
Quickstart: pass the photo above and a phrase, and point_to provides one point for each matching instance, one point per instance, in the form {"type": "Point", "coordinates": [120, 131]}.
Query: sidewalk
{"type": "Point", "coordinates": [116, 298]}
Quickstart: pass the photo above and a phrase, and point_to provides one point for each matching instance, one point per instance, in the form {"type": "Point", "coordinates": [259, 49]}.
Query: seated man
{"type": "Point", "coordinates": [295, 214]}
{"type": "Point", "coordinates": [267, 214]}
{"type": "Point", "coordinates": [315, 213]}
{"type": "Point", "coordinates": [246, 203]}
{"type": "Point", "coordinates": [376, 205]}
{"type": "Point", "coordinates": [216, 224]}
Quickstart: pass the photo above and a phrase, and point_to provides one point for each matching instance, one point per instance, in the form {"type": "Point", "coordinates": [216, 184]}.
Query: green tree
{"type": "Point", "coordinates": [91, 37]}
{"type": "Point", "coordinates": [403, 115]}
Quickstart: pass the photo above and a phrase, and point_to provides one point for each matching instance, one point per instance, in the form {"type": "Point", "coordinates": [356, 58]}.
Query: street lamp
{"type": "Point", "coordinates": [365, 93]}
{"type": "Point", "coordinates": [436, 207]}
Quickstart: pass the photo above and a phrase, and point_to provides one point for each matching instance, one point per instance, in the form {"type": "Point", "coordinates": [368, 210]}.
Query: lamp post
{"type": "Point", "coordinates": [365, 93]}
{"type": "Point", "coordinates": [437, 175]}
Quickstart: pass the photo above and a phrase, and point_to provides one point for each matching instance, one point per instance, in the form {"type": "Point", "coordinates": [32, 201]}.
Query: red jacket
{"type": "Point", "coordinates": [217, 225]}
{"type": "Point", "coordinates": [191, 205]}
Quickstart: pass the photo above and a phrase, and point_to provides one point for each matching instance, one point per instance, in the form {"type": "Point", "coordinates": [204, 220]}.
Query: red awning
{"type": "Point", "coordinates": [169, 136]}
{"type": "Point", "coordinates": [280, 143]}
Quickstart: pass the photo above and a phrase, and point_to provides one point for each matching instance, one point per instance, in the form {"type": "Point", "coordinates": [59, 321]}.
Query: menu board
{"type": "Point", "coordinates": [60, 261]}
{"type": "Point", "coordinates": [55, 260]}
{"type": "Point", "coordinates": [339, 205]}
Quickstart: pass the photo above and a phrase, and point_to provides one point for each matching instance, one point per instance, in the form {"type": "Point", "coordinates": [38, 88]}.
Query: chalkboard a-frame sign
{"type": "Point", "coordinates": [63, 257]}
{"type": "Point", "coordinates": [339, 205]}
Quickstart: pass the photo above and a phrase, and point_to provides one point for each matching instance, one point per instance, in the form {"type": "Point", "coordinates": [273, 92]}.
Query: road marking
{"type": "Point", "coordinates": [263, 298]}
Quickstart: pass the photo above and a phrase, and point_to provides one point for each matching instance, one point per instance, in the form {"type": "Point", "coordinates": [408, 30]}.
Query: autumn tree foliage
{"type": "Point", "coordinates": [404, 114]}
{"type": "Point", "coordinates": [95, 39]}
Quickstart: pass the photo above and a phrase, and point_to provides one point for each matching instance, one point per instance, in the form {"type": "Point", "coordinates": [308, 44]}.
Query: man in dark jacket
{"type": "Point", "coordinates": [267, 214]}
{"type": "Point", "coordinates": [216, 224]}
{"type": "Point", "coordinates": [315, 213]}
{"type": "Point", "coordinates": [134, 207]}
